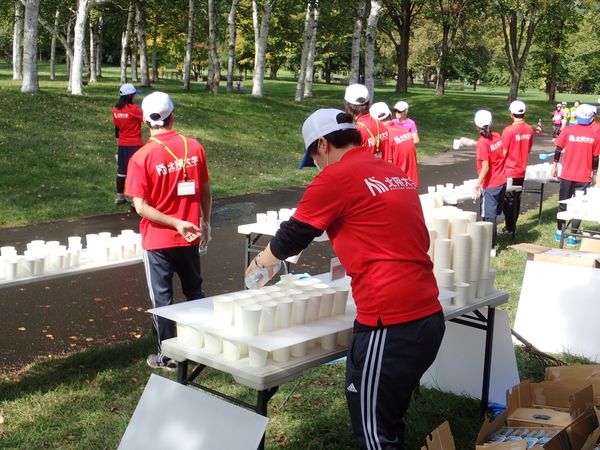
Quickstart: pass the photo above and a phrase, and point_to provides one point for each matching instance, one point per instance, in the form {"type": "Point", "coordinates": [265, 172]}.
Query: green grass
{"type": "Point", "coordinates": [57, 150]}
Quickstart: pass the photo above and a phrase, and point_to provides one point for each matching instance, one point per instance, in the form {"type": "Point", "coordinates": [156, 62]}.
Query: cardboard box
{"type": "Point", "coordinates": [577, 376]}
{"type": "Point", "coordinates": [559, 255]}
{"type": "Point", "coordinates": [590, 245]}
{"type": "Point", "coordinates": [440, 439]}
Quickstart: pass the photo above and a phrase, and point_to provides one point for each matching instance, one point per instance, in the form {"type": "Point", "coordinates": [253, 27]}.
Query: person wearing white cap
{"type": "Point", "coordinates": [401, 111]}
{"type": "Point", "coordinates": [402, 150]}
{"type": "Point", "coordinates": [573, 113]}
{"type": "Point", "coordinates": [517, 140]}
{"type": "Point", "coordinates": [127, 118]}
{"type": "Point", "coordinates": [580, 147]}
{"type": "Point", "coordinates": [557, 120]}
{"type": "Point", "coordinates": [168, 180]}
{"type": "Point", "coordinates": [491, 179]}
{"type": "Point", "coordinates": [372, 214]}
{"type": "Point", "coordinates": [374, 134]}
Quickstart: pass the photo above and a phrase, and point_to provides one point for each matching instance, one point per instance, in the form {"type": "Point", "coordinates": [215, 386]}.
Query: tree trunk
{"type": "Point", "coordinates": [69, 51]}
{"type": "Point", "coordinates": [140, 20]}
{"type": "Point", "coordinates": [308, 21]}
{"type": "Point", "coordinates": [92, 42]}
{"type": "Point", "coordinates": [189, 45]}
{"type": "Point", "coordinates": [356, 35]}
{"type": "Point", "coordinates": [86, 56]}
{"type": "Point", "coordinates": [134, 54]}
{"type": "Point", "coordinates": [370, 36]}
{"type": "Point", "coordinates": [515, 80]}
{"type": "Point", "coordinates": [310, 58]}
{"type": "Point", "coordinates": [17, 56]}
{"type": "Point", "coordinates": [231, 20]}
{"type": "Point", "coordinates": [403, 48]}
{"type": "Point", "coordinates": [30, 47]}
{"type": "Point", "coordinates": [53, 46]}
{"type": "Point", "coordinates": [99, 49]}
{"type": "Point", "coordinates": [213, 81]}
{"type": "Point", "coordinates": [78, 48]}
{"type": "Point", "coordinates": [261, 47]}
{"type": "Point", "coordinates": [154, 59]}
{"type": "Point", "coordinates": [441, 63]}
{"type": "Point", "coordinates": [125, 38]}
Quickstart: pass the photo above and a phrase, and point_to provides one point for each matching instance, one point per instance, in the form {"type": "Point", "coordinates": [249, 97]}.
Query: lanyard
{"type": "Point", "coordinates": [376, 139]}
{"type": "Point", "coordinates": [183, 162]}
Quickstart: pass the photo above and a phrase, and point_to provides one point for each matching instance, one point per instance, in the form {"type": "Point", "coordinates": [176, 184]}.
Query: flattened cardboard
{"type": "Point", "coordinates": [559, 255]}
{"type": "Point", "coordinates": [590, 245]}
{"type": "Point", "coordinates": [440, 439]}
{"type": "Point", "coordinates": [577, 376]}
{"type": "Point", "coordinates": [539, 417]}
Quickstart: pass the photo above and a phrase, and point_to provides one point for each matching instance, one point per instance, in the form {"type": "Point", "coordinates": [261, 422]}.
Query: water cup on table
{"type": "Point", "coordinates": [251, 319]}
{"type": "Point", "coordinates": [261, 218]}
{"type": "Point", "coordinates": [223, 310]}
{"type": "Point", "coordinates": [272, 217]}
{"type": "Point", "coordinates": [456, 144]}
{"type": "Point", "coordinates": [340, 300]}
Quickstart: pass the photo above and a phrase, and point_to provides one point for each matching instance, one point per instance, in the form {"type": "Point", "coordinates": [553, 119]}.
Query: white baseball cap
{"type": "Point", "coordinates": [357, 94]}
{"type": "Point", "coordinates": [401, 106]}
{"type": "Point", "coordinates": [379, 111]}
{"type": "Point", "coordinates": [318, 124]}
{"type": "Point", "coordinates": [584, 114]}
{"type": "Point", "coordinates": [482, 118]}
{"type": "Point", "coordinates": [517, 107]}
{"type": "Point", "coordinates": [156, 108]}
{"type": "Point", "coordinates": [128, 89]}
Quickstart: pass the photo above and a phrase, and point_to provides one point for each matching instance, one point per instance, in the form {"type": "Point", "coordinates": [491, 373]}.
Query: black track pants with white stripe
{"type": "Point", "coordinates": [384, 367]}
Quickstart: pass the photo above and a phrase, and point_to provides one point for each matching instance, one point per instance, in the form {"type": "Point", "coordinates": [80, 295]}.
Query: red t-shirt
{"type": "Point", "coordinates": [129, 121]}
{"type": "Point", "coordinates": [373, 217]}
{"type": "Point", "coordinates": [490, 149]}
{"type": "Point", "coordinates": [595, 126]}
{"type": "Point", "coordinates": [374, 134]}
{"type": "Point", "coordinates": [402, 151]}
{"type": "Point", "coordinates": [153, 174]}
{"type": "Point", "coordinates": [517, 140]}
{"type": "Point", "coordinates": [580, 143]}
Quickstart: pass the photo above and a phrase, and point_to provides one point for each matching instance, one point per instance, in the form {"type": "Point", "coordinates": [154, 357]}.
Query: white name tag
{"type": "Point", "coordinates": [186, 188]}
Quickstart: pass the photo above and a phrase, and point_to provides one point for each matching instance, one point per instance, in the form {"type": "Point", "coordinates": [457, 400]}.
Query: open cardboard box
{"type": "Point", "coordinates": [577, 376]}
{"type": "Point", "coordinates": [559, 255]}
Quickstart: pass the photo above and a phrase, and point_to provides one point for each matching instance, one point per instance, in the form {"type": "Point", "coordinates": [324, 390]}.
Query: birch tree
{"type": "Point", "coordinates": [17, 54]}
{"type": "Point", "coordinates": [99, 49]}
{"type": "Point", "coordinates": [231, 21]}
{"type": "Point", "coordinates": [53, 46]}
{"type": "Point", "coordinates": [308, 27]}
{"type": "Point", "coordinates": [312, 47]}
{"type": "Point", "coordinates": [154, 71]}
{"type": "Point", "coordinates": [214, 76]}
{"type": "Point", "coordinates": [189, 45]}
{"type": "Point", "coordinates": [30, 38]}
{"type": "Point", "coordinates": [519, 20]}
{"type": "Point", "coordinates": [261, 36]}
{"type": "Point", "coordinates": [93, 47]}
{"type": "Point", "coordinates": [141, 37]}
{"type": "Point", "coordinates": [356, 38]}
{"type": "Point", "coordinates": [125, 40]}
{"type": "Point", "coordinates": [134, 54]}
{"type": "Point", "coordinates": [370, 37]}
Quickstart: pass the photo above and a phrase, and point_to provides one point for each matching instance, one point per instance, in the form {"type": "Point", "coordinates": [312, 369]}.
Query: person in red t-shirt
{"type": "Point", "coordinates": [517, 140]}
{"type": "Point", "coordinates": [168, 180]}
{"type": "Point", "coordinates": [374, 134]}
{"type": "Point", "coordinates": [580, 145]}
{"type": "Point", "coordinates": [402, 151]}
{"type": "Point", "coordinates": [127, 119]}
{"type": "Point", "coordinates": [372, 215]}
{"type": "Point", "coordinates": [491, 179]}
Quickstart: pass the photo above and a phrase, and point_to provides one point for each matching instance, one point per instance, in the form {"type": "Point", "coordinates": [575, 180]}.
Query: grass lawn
{"type": "Point", "coordinates": [58, 150]}
{"type": "Point", "coordinates": [85, 401]}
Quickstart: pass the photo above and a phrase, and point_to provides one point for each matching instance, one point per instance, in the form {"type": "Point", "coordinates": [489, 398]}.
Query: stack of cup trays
{"type": "Point", "coordinates": [259, 312]}
{"type": "Point", "coordinates": [103, 247]}
{"type": "Point", "coordinates": [274, 218]}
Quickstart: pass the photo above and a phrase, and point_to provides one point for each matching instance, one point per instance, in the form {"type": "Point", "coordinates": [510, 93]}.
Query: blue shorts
{"type": "Point", "coordinates": [492, 200]}
{"type": "Point", "coordinates": [124, 153]}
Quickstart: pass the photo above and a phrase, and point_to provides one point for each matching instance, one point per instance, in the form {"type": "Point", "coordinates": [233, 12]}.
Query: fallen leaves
{"type": "Point", "coordinates": [22, 329]}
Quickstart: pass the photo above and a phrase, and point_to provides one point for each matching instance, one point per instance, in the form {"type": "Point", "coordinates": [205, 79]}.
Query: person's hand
{"type": "Point", "coordinates": [257, 274]}
{"type": "Point", "coordinates": [476, 193]}
{"type": "Point", "coordinates": [188, 230]}
{"type": "Point", "coordinates": [204, 234]}
{"type": "Point", "coordinates": [554, 171]}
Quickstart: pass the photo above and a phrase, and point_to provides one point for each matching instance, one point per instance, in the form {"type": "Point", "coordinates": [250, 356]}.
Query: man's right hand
{"type": "Point", "coordinates": [188, 230]}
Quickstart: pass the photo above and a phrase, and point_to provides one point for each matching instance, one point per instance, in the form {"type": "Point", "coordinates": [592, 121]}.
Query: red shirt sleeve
{"type": "Point", "coordinates": [506, 138]}
{"type": "Point", "coordinates": [596, 147]}
{"type": "Point", "coordinates": [114, 119]}
{"type": "Point", "coordinates": [137, 113]}
{"type": "Point", "coordinates": [321, 204]}
{"type": "Point", "coordinates": [136, 183]}
{"type": "Point", "coordinates": [483, 151]}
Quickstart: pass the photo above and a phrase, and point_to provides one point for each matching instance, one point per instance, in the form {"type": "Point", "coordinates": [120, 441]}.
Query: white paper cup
{"type": "Point", "coordinates": [104, 235]}
{"type": "Point", "coordinates": [482, 288]}
{"type": "Point", "coordinates": [251, 319]}
{"type": "Point", "coordinates": [261, 218]}
{"type": "Point", "coordinates": [299, 350]}
{"type": "Point", "coordinates": [257, 357]}
{"type": "Point", "coordinates": [272, 216]}
{"type": "Point", "coordinates": [28, 264]}
{"type": "Point", "coordinates": [340, 299]}
{"type": "Point", "coordinates": [231, 350]}
{"type": "Point", "coordinates": [431, 189]}
{"type": "Point", "coordinates": [283, 313]}
{"type": "Point", "coordinates": [74, 241]}
{"type": "Point", "coordinates": [444, 278]}
{"type": "Point", "coordinates": [52, 244]}
{"type": "Point", "coordinates": [287, 279]}
{"type": "Point", "coordinates": [312, 310]}
{"type": "Point", "coordinates": [237, 310]}
{"type": "Point", "coordinates": [299, 307]}
{"type": "Point", "coordinates": [456, 144]}
{"type": "Point", "coordinates": [328, 341]}
{"type": "Point", "coordinates": [8, 250]}
{"type": "Point", "coordinates": [11, 268]}
{"type": "Point", "coordinates": [213, 344]}
{"type": "Point", "coordinates": [223, 310]}
{"type": "Point", "coordinates": [509, 183]}
{"type": "Point", "coordinates": [343, 338]}
{"type": "Point", "coordinates": [462, 294]}
{"type": "Point", "coordinates": [74, 257]}
{"type": "Point", "coordinates": [327, 296]}
{"type": "Point", "coordinates": [189, 336]}
{"type": "Point", "coordinates": [38, 268]}
{"type": "Point", "coordinates": [281, 354]}
{"type": "Point", "coordinates": [267, 317]}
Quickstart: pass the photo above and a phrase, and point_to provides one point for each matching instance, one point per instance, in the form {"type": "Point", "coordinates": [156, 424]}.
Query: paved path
{"type": "Point", "coordinates": [71, 313]}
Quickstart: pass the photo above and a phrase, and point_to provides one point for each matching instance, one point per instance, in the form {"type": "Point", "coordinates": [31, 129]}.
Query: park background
{"type": "Point", "coordinates": [57, 147]}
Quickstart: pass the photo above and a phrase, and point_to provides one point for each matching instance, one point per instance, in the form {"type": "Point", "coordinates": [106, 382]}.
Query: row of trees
{"type": "Point", "coordinates": [514, 42]}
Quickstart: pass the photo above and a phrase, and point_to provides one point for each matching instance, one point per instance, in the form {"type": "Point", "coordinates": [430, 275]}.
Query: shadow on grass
{"type": "Point", "coordinates": [84, 366]}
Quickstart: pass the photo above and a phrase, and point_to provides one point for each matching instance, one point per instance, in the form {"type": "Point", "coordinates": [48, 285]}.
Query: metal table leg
{"type": "Point", "coordinates": [487, 359]}
{"type": "Point", "coordinates": [562, 233]}
{"type": "Point", "coordinates": [262, 401]}
{"type": "Point", "coordinates": [541, 200]}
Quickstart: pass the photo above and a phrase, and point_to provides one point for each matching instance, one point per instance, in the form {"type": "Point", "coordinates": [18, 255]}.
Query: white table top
{"type": "Point", "coordinates": [270, 229]}
{"type": "Point", "coordinates": [85, 265]}
{"type": "Point", "coordinates": [454, 198]}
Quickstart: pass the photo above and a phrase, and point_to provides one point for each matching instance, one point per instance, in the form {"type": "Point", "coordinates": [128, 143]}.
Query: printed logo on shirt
{"type": "Point", "coordinates": [495, 146]}
{"type": "Point", "coordinates": [382, 137]}
{"type": "Point", "coordinates": [522, 137]}
{"type": "Point", "coordinates": [175, 165]}
{"type": "Point", "coordinates": [121, 115]}
{"type": "Point", "coordinates": [391, 184]}
{"type": "Point", "coordinates": [405, 137]}
{"type": "Point", "coordinates": [584, 139]}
